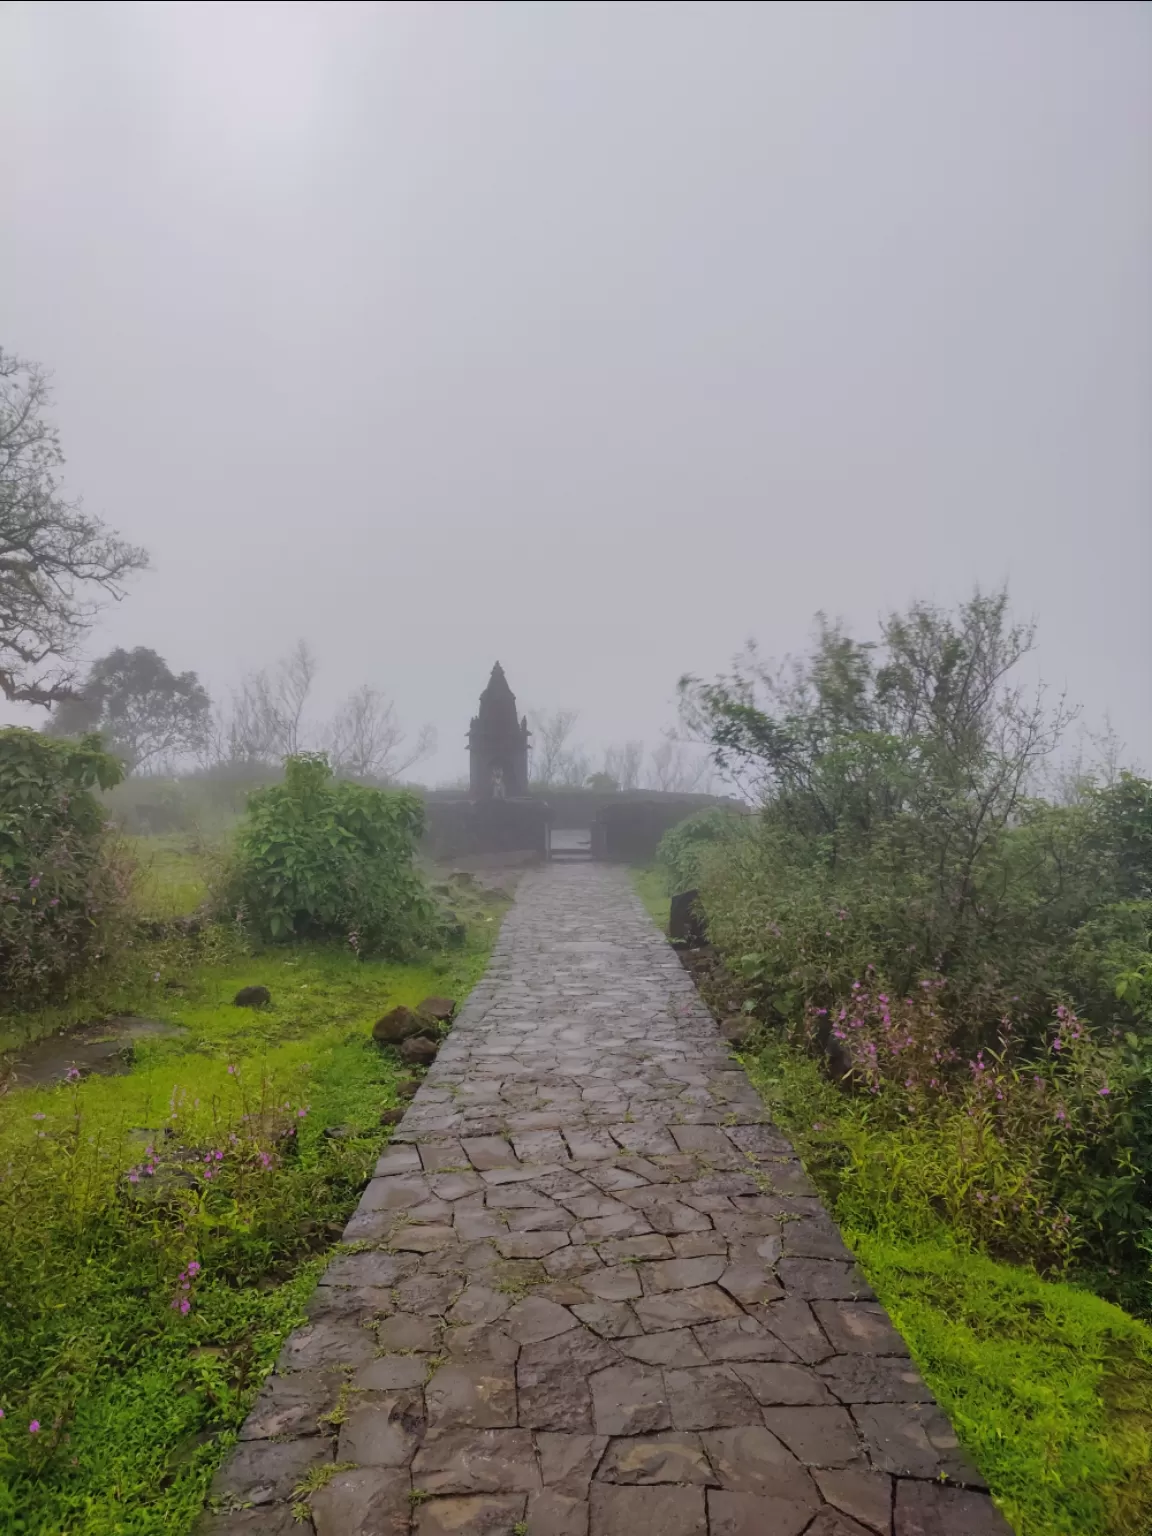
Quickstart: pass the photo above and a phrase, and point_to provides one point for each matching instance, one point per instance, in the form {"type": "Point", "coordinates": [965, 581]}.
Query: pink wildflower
{"type": "Point", "coordinates": [34, 1427]}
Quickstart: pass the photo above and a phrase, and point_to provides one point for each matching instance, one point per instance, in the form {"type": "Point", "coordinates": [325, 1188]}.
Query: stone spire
{"type": "Point", "coordinates": [498, 743]}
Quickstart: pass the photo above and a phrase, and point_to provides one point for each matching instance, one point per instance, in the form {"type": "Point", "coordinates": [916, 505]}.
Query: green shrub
{"type": "Point", "coordinates": [318, 857]}
{"type": "Point", "coordinates": [682, 846]}
{"type": "Point", "coordinates": [63, 884]}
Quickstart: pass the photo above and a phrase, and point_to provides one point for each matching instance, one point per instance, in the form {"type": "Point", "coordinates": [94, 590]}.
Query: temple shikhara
{"type": "Point", "coordinates": [498, 744]}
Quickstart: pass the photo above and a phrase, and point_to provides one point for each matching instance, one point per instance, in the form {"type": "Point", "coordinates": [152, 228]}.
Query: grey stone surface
{"type": "Point", "coordinates": [616, 1306]}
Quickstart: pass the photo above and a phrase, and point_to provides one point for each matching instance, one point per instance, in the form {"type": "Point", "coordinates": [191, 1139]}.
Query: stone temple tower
{"type": "Point", "coordinates": [498, 744]}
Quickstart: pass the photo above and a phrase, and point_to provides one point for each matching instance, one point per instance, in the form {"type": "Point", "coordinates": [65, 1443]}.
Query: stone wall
{"type": "Point", "coordinates": [628, 830]}
{"type": "Point", "coordinates": [461, 828]}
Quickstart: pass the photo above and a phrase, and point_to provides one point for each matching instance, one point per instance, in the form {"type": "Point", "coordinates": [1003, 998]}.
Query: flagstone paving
{"type": "Point", "coordinates": [599, 1295]}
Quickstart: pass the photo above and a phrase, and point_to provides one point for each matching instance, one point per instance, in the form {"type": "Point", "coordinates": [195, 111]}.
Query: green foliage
{"type": "Point", "coordinates": [63, 890]}
{"type": "Point", "coordinates": [137, 1400]}
{"type": "Point", "coordinates": [681, 847]}
{"type": "Point", "coordinates": [318, 857]}
{"type": "Point", "coordinates": [897, 855]}
{"type": "Point", "coordinates": [1049, 1387]}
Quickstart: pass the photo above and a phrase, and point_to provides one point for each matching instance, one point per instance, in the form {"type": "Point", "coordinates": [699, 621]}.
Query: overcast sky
{"type": "Point", "coordinates": [595, 338]}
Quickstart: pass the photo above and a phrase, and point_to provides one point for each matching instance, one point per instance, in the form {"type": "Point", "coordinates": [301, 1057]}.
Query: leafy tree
{"type": "Point", "coordinates": [144, 711]}
{"type": "Point", "coordinates": [56, 563]}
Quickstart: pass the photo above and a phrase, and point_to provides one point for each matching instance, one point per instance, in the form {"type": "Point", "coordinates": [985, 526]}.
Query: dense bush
{"type": "Point", "coordinates": [971, 957]}
{"type": "Point", "coordinates": [318, 857]}
{"type": "Point", "coordinates": [63, 888]}
{"type": "Point", "coordinates": [681, 848]}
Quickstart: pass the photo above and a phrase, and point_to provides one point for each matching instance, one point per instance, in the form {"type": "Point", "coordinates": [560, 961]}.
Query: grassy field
{"type": "Point", "coordinates": [1048, 1386]}
{"type": "Point", "coordinates": [218, 1172]}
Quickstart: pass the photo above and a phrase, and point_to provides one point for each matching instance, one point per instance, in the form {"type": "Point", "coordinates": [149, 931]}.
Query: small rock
{"type": "Point", "coordinates": [391, 1116]}
{"type": "Point", "coordinates": [442, 1009]}
{"type": "Point", "coordinates": [686, 921]}
{"type": "Point", "coordinates": [419, 1051]}
{"type": "Point", "coordinates": [252, 997]}
{"type": "Point", "coordinates": [401, 1024]}
{"type": "Point", "coordinates": [408, 1088]}
{"type": "Point", "coordinates": [737, 1030]}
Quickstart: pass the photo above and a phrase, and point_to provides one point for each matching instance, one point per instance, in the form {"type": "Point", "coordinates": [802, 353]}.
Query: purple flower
{"type": "Point", "coordinates": [194, 1267]}
{"type": "Point", "coordinates": [231, 1071]}
{"type": "Point", "coordinates": [39, 1116]}
{"type": "Point", "coordinates": [1105, 1090]}
{"type": "Point", "coordinates": [34, 1427]}
{"type": "Point", "coordinates": [73, 1074]}
{"type": "Point", "coordinates": [32, 884]}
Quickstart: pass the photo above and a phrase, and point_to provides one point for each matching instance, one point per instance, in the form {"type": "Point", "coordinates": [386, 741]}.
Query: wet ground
{"type": "Point", "coordinates": [106, 1047]}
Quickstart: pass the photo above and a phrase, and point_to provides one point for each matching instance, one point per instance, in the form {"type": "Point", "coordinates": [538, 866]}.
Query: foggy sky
{"type": "Point", "coordinates": [593, 338]}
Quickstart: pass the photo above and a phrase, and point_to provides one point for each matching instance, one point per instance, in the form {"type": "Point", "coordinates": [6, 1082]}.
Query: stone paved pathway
{"type": "Point", "coordinates": [599, 1296]}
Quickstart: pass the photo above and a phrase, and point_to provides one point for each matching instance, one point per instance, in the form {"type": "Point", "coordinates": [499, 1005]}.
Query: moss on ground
{"type": "Point", "coordinates": [136, 1404]}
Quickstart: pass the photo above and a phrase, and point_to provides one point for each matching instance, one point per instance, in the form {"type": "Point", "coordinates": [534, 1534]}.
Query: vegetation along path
{"type": "Point", "coordinates": [592, 1292]}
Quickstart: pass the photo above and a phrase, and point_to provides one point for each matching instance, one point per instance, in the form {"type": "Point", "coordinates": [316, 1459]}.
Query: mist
{"type": "Point", "coordinates": [594, 339]}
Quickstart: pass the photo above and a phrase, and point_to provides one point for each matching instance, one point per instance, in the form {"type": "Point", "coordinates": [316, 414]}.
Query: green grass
{"type": "Point", "coordinates": [173, 875]}
{"type": "Point", "coordinates": [138, 1404]}
{"type": "Point", "coordinates": [1048, 1386]}
{"type": "Point", "coordinates": [652, 889]}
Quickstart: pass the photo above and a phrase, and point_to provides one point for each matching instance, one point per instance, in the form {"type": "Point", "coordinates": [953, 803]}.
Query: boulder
{"type": "Point", "coordinates": [419, 1050]}
{"type": "Point", "coordinates": [686, 921]}
{"type": "Point", "coordinates": [252, 997]}
{"type": "Point", "coordinates": [401, 1024]}
{"type": "Point", "coordinates": [442, 1009]}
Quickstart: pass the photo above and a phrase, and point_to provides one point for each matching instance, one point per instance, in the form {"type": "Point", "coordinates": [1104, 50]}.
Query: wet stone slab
{"type": "Point", "coordinates": [593, 1292]}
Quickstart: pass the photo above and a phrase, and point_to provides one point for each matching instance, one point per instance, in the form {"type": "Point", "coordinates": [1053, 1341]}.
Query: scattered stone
{"type": "Point", "coordinates": [442, 1009]}
{"type": "Point", "coordinates": [252, 997]}
{"type": "Point", "coordinates": [737, 1030]}
{"type": "Point", "coordinates": [686, 923]}
{"type": "Point", "coordinates": [419, 1051]}
{"type": "Point", "coordinates": [408, 1088]}
{"type": "Point", "coordinates": [391, 1116]}
{"type": "Point", "coordinates": [400, 1024]}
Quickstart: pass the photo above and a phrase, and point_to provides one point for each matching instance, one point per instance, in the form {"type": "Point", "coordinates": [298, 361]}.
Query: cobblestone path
{"type": "Point", "coordinates": [600, 1297]}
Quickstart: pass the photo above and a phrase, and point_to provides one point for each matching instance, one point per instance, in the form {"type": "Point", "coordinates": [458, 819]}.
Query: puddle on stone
{"type": "Point", "coordinates": [105, 1048]}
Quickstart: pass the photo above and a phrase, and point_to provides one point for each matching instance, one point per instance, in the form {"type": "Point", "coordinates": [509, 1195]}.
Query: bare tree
{"type": "Point", "coordinates": [625, 764]}
{"type": "Point", "coordinates": [553, 760]}
{"type": "Point", "coordinates": [267, 718]}
{"type": "Point", "coordinates": [56, 564]}
{"type": "Point", "coordinates": [675, 769]}
{"type": "Point", "coordinates": [366, 740]}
